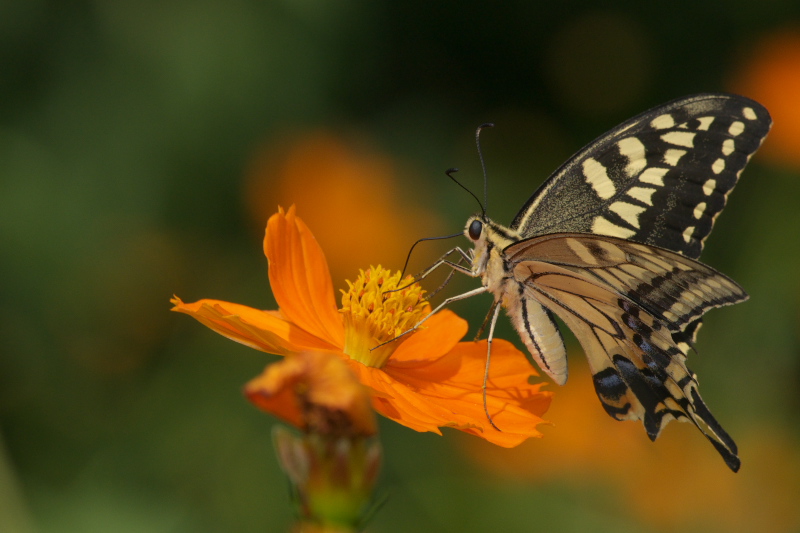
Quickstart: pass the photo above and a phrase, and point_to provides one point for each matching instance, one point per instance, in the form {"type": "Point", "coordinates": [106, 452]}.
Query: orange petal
{"type": "Point", "coordinates": [447, 393]}
{"type": "Point", "coordinates": [434, 339]}
{"type": "Point", "coordinates": [299, 277]}
{"type": "Point", "coordinates": [315, 391]}
{"type": "Point", "coordinates": [257, 329]}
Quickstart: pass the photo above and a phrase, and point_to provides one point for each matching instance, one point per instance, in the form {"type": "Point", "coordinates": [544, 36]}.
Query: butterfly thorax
{"type": "Point", "coordinates": [489, 240]}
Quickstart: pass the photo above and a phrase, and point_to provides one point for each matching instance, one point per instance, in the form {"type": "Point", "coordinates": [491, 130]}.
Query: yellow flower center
{"type": "Point", "coordinates": [375, 313]}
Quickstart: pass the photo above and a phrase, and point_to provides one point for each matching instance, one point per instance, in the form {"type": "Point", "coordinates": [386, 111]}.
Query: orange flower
{"type": "Point", "coordinates": [424, 380]}
{"type": "Point", "coordinates": [316, 392]}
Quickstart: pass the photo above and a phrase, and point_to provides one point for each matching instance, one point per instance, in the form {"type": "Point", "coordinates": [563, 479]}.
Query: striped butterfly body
{"type": "Point", "coordinates": [609, 244]}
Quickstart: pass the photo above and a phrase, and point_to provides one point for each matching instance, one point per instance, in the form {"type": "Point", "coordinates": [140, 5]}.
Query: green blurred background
{"type": "Point", "coordinates": [143, 145]}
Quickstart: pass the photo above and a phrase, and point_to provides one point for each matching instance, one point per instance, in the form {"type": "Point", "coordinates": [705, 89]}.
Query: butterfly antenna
{"type": "Point", "coordinates": [483, 164]}
{"type": "Point", "coordinates": [450, 173]}
{"type": "Point", "coordinates": [408, 257]}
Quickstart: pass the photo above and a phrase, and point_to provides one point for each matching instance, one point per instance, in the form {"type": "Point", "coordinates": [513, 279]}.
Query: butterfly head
{"type": "Point", "coordinates": [488, 240]}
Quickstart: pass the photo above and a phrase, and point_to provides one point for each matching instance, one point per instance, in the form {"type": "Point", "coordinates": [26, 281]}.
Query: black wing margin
{"type": "Point", "coordinates": [660, 178]}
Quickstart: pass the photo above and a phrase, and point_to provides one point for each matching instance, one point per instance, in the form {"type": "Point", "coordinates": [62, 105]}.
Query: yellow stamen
{"type": "Point", "coordinates": [373, 315]}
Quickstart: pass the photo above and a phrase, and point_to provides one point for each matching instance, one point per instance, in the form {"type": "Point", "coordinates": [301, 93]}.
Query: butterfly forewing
{"type": "Point", "coordinates": [627, 324]}
{"type": "Point", "coordinates": [660, 178]}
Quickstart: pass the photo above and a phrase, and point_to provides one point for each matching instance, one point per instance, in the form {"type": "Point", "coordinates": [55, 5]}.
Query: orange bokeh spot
{"type": "Point", "coordinates": [771, 76]}
{"type": "Point", "coordinates": [351, 197]}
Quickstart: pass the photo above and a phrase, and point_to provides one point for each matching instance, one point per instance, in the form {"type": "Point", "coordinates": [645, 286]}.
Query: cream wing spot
{"type": "Point", "coordinates": [643, 194]}
{"type": "Point", "coordinates": [718, 166]}
{"type": "Point", "coordinates": [679, 138]}
{"type": "Point", "coordinates": [687, 233]}
{"type": "Point", "coordinates": [603, 227]}
{"type": "Point", "coordinates": [597, 176]}
{"type": "Point", "coordinates": [749, 114]}
{"type": "Point", "coordinates": [662, 122]}
{"type": "Point", "coordinates": [634, 150]}
{"type": "Point", "coordinates": [728, 146]}
{"type": "Point", "coordinates": [709, 186]}
{"type": "Point", "coordinates": [654, 176]}
{"type": "Point", "coordinates": [736, 128]}
{"type": "Point", "coordinates": [699, 210]}
{"type": "Point", "coordinates": [628, 212]}
{"type": "Point", "coordinates": [705, 122]}
{"type": "Point", "coordinates": [672, 156]}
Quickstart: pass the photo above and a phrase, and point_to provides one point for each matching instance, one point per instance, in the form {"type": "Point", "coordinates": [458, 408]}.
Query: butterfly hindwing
{"type": "Point", "coordinates": [660, 178]}
{"type": "Point", "coordinates": [628, 304]}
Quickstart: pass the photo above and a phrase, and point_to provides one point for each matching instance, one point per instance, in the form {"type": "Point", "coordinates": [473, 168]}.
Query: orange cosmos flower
{"type": "Point", "coordinates": [424, 380]}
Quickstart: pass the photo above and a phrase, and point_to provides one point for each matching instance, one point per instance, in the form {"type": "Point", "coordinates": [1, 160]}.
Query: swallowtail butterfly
{"type": "Point", "coordinates": [609, 244]}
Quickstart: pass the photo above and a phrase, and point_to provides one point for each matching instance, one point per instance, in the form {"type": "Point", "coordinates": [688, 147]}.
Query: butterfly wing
{"type": "Point", "coordinates": [627, 304]}
{"type": "Point", "coordinates": [660, 178]}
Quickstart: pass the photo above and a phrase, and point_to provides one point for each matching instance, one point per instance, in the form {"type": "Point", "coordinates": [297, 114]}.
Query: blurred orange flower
{"type": "Point", "coordinates": [424, 380]}
{"type": "Point", "coordinates": [771, 75]}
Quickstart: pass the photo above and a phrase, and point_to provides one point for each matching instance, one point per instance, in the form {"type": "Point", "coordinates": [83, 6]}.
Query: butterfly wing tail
{"type": "Point", "coordinates": [706, 423]}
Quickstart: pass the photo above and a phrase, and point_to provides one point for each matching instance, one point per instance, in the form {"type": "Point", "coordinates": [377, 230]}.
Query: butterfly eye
{"type": "Point", "coordinates": [475, 230]}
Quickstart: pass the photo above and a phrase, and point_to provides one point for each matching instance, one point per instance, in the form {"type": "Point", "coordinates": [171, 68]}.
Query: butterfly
{"type": "Point", "coordinates": [609, 244]}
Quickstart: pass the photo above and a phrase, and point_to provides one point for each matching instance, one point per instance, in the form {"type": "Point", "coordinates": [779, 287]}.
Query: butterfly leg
{"type": "Point", "coordinates": [440, 262]}
{"type": "Point", "coordinates": [445, 261]}
{"type": "Point", "coordinates": [489, 339]}
{"type": "Point", "coordinates": [485, 323]}
{"type": "Point", "coordinates": [450, 275]}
